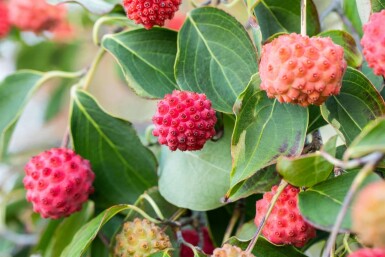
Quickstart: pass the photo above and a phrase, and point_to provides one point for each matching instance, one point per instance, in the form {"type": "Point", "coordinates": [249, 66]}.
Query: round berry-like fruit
{"type": "Point", "coordinates": [285, 224]}
{"type": "Point", "coordinates": [58, 182]}
{"type": "Point", "coordinates": [191, 236]}
{"type": "Point", "coordinates": [228, 250]}
{"type": "Point", "coordinates": [35, 15]}
{"type": "Point", "coordinates": [4, 20]}
{"type": "Point", "coordinates": [140, 238]}
{"type": "Point", "coordinates": [302, 70]}
{"type": "Point", "coordinates": [373, 42]}
{"type": "Point", "coordinates": [151, 12]}
{"type": "Point", "coordinates": [367, 252]}
{"type": "Point", "coordinates": [184, 120]}
{"type": "Point", "coordinates": [368, 215]}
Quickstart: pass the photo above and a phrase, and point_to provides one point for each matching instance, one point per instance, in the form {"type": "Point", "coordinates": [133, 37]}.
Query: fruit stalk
{"type": "Point", "coordinates": [303, 17]}
{"type": "Point", "coordinates": [253, 241]}
{"type": "Point", "coordinates": [364, 172]}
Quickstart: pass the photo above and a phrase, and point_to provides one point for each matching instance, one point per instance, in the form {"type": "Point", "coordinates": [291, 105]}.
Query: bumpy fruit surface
{"type": "Point", "coordinates": [285, 224]}
{"type": "Point", "coordinates": [4, 20]}
{"type": "Point", "coordinates": [58, 182]}
{"type": "Point", "coordinates": [184, 120]}
{"type": "Point", "coordinates": [368, 215]}
{"type": "Point", "coordinates": [231, 251]}
{"type": "Point", "coordinates": [367, 252]}
{"type": "Point", "coordinates": [191, 236]}
{"type": "Point", "coordinates": [140, 238]}
{"type": "Point", "coordinates": [35, 15]}
{"type": "Point", "coordinates": [373, 42]}
{"type": "Point", "coordinates": [151, 12]}
{"type": "Point", "coordinates": [302, 70]}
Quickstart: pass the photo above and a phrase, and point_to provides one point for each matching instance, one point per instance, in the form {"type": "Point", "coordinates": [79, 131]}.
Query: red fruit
{"type": "Point", "coordinates": [373, 42]}
{"type": "Point", "coordinates": [4, 20]}
{"type": "Point", "coordinates": [151, 12]}
{"type": "Point", "coordinates": [35, 15]}
{"type": "Point", "coordinates": [184, 120]}
{"type": "Point", "coordinates": [367, 252]}
{"type": "Point", "coordinates": [191, 236]}
{"type": "Point", "coordinates": [285, 224]}
{"type": "Point", "coordinates": [58, 182]}
{"type": "Point", "coordinates": [301, 70]}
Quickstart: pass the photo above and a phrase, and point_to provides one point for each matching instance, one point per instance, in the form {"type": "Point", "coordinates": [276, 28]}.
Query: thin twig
{"type": "Point", "coordinates": [253, 241]}
{"type": "Point", "coordinates": [349, 164]}
{"type": "Point", "coordinates": [231, 225]}
{"type": "Point", "coordinates": [66, 138]}
{"type": "Point", "coordinates": [303, 17]}
{"type": "Point", "coordinates": [364, 172]}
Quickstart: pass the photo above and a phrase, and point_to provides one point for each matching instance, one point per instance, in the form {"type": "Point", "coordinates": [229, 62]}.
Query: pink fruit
{"type": "Point", "coordinates": [367, 252]}
{"type": "Point", "coordinates": [285, 224]}
{"type": "Point", "coordinates": [184, 120]}
{"type": "Point", "coordinates": [35, 15]}
{"type": "Point", "coordinates": [151, 12]}
{"type": "Point", "coordinates": [301, 70]}
{"type": "Point", "coordinates": [368, 215]}
{"type": "Point", "coordinates": [177, 22]}
{"type": "Point", "coordinates": [58, 182]}
{"type": "Point", "coordinates": [4, 20]}
{"type": "Point", "coordinates": [373, 42]}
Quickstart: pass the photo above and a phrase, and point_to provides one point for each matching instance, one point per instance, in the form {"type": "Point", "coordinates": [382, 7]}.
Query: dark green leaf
{"type": "Point", "coordinates": [123, 166]}
{"type": "Point", "coordinates": [328, 197]}
{"type": "Point", "coordinates": [352, 55]}
{"type": "Point", "coordinates": [15, 92]}
{"type": "Point", "coordinates": [371, 139]}
{"type": "Point", "coordinates": [377, 5]}
{"type": "Point", "coordinates": [285, 16]}
{"type": "Point", "coordinates": [307, 170]}
{"type": "Point", "coordinates": [67, 229]}
{"type": "Point", "coordinates": [83, 238]}
{"type": "Point", "coordinates": [215, 56]}
{"type": "Point", "coordinates": [315, 118]}
{"type": "Point", "coordinates": [265, 129]}
{"type": "Point", "coordinates": [197, 180]}
{"type": "Point", "coordinates": [99, 7]}
{"type": "Point", "coordinates": [147, 59]}
{"type": "Point", "coordinates": [351, 12]}
{"type": "Point", "coordinates": [264, 248]}
{"type": "Point", "coordinates": [357, 104]}
{"type": "Point", "coordinates": [259, 182]}
{"type": "Point", "coordinates": [377, 81]}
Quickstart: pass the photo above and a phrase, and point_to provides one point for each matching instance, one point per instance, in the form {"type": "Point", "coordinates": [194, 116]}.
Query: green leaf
{"type": "Point", "coordinates": [124, 168]}
{"type": "Point", "coordinates": [67, 229]}
{"type": "Point", "coordinates": [98, 7]}
{"type": "Point", "coordinates": [328, 197]}
{"type": "Point", "coordinates": [147, 59]}
{"type": "Point", "coordinates": [246, 231]}
{"type": "Point", "coordinates": [371, 139]}
{"type": "Point", "coordinates": [260, 182]}
{"type": "Point", "coordinates": [197, 180]}
{"type": "Point", "coordinates": [357, 104]}
{"type": "Point", "coordinates": [315, 118]}
{"type": "Point", "coordinates": [307, 170]}
{"type": "Point", "coordinates": [377, 5]}
{"type": "Point", "coordinates": [15, 91]}
{"type": "Point", "coordinates": [83, 238]}
{"type": "Point", "coordinates": [215, 56]}
{"type": "Point", "coordinates": [377, 81]}
{"type": "Point", "coordinates": [352, 55]}
{"type": "Point", "coordinates": [160, 254]}
{"type": "Point", "coordinates": [264, 130]}
{"type": "Point", "coordinates": [351, 12]}
{"type": "Point", "coordinates": [285, 16]}
{"type": "Point", "coordinates": [264, 248]}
